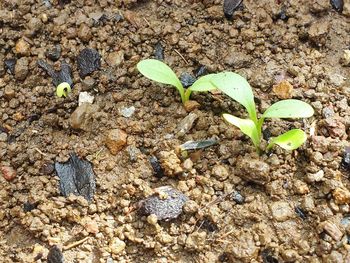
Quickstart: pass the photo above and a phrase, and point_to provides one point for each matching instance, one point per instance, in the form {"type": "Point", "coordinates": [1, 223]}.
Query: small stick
{"type": "Point", "coordinates": [147, 22]}
{"type": "Point", "coordinates": [75, 243]}
{"type": "Point", "coordinates": [181, 56]}
{"type": "Point", "coordinates": [40, 152]}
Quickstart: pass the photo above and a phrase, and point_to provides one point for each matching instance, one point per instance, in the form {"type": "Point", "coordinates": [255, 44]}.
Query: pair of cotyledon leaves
{"type": "Point", "coordinates": [237, 87]}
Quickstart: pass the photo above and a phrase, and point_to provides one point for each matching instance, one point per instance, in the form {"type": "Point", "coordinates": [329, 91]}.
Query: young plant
{"type": "Point", "coordinates": [158, 71]}
{"type": "Point", "coordinates": [236, 87]}
{"type": "Point", "coordinates": [63, 89]}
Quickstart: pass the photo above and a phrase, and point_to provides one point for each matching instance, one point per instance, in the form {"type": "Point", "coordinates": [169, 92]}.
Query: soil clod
{"type": "Point", "coordinates": [88, 61]}
{"type": "Point", "coordinates": [166, 203]}
{"type": "Point", "coordinates": [76, 177]}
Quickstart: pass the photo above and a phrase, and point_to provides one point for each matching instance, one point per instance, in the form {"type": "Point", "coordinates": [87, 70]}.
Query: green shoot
{"type": "Point", "coordinates": [63, 89]}
{"type": "Point", "coordinates": [162, 73]}
{"type": "Point", "coordinates": [236, 87]}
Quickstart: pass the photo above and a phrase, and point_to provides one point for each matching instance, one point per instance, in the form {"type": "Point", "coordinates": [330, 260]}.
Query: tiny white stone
{"type": "Point", "coordinates": [85, 97]}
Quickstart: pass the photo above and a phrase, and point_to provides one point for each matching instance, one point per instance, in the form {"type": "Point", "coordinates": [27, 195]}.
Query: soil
{"type": "Point", "coordinates": [280, 207]}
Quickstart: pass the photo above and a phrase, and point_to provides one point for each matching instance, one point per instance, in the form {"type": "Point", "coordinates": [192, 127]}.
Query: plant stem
{"type": "Point", "coordinates": [187, 95]}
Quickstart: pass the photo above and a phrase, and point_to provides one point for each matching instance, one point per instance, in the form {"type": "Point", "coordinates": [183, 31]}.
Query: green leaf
{"type": "Point", "coordinates": [236, 87]}
{"type": "Point", "coordinates": [247, 126]}
{"type": "Point", "coordinates": [289, 140]}
{"type": "Point", "coordinates": [289, 109]}
{"type": "Point", "coordinates": [63, 89]}
{"type": "Point", "coordinates": [203, 83]}
{"type": "Point", "coordinates": [160, 72]}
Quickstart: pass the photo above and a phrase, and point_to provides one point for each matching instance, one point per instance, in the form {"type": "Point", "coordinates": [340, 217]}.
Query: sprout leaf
{"type": "Point", "coordinates": [289, 140]}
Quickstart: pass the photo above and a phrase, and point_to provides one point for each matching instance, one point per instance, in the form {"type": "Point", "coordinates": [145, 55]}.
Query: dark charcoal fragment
{"type": "Point", "coordinates": [76, 177]}
{"type": "Point", "coordinates": [196, 145]}
{"type": "Point", "coordinates": [157, 168]}
{"type": "Point", "coordinates": [345, 163]}
{"type": "Point", "coordinates": [164, 208]}
{"type": "Point", "coordinates": [63, 75]}
{"type": "Point", "coordinates": [230, 6]}
{"type": "Point", "coordinates": [187, 79]}
{"type": "Point", "coordinates": [266, 134]}
{"type": "Point", "coordinates": [88, 61]}
{"type": "Point", "coordinates": [202, 70]}
{"type": "Point", "coordinates": [338, 5]}
{"type": "Point", "coordinates": [300, 212]}
{"type": "Point", "coordinates": [47, 168]}
{"type": "Point", "coordinates": [63, 2]}
{"type": "Point", "coordinates": [159, 51]}
{"type": "Point", "coordinates": [54, 53]}
{"type": "Point", "coordinates": [282, 15]}
{"type": "Point", "coordinates": [10, 65]}
{"type": "Point", "coordinates": [237, 197]}
{"type": "Point", "coordinates": [55, 255]}
{"type": "Point", "coordinates": [27, 207]}
{"type": "Point", "coordinates": [267, 257]}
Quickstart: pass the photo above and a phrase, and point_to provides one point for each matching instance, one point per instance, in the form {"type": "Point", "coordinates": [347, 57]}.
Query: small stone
{"type": "Point", "coordinates": [116, 140]}
{"type": "Point", "coordinates": [90, 225]}
{"type": "Point", "coordinates": [10, 65]}
{"type": "Point", "coordinates": [117, 246]}
{"type": "Point", "coordinates": [157, 168]}
{"type": "Point", "coordinates": [3, 137]}
{"type": "Point", "coordinates": [165, 238]}
{"type": "Point", "coordinates": [152, 219]}
{"type": "Point", "coordinates": [22, 47]}
{"type": "Point", "coordinates": [318, 32]}
{"type": "Point", "coordinates": [84, 33]}
{"type": "Point", "coordinates": [88, 83]}
{"type": "Point", "coordinates": [54, 53]}
{"type": "Point", "coordinates": [301, 187]}
{"type": "Point", "coordinates": [170, 163]}
{"type": "Point", "coordinates": [345, 59]}
{"type": "Point", "coordinates": [341, 196]}
{"type": "Point", "coordinates": [220, 172]}
{"type": "Point", "coordinates": [85, 97]}
{"type": "Point", "coordinates": [332, 230]}
{"type": "Point", "coordinates": [127, 112]}
{"type": "Point", "coordinates": [88, 61]}
{"type": "Point", "coordinates": [82, 117]}
{"type": "Point", "coordinates": [281, 211]}
{"type": "Point", "coordinates": [196, 240]}
{"type": "Point", "coordinates": [253, 170]}
{"type": "Point", "coordinates": [283, 90]}
{"type": "Point", "coordinates": [191, 105]}
{"type": "Point", "coordinates": [290, 255]}
{"type": "Point", "coordinates": [187, 164]}
{"type": "Point", "coordinates": [165, 204]}
{"type": "Point", "coordinates": [115, 59]}
{"type": "Point", "coordinates": [9, 93]}
{"type": "Point", "coordinates": [186, 124]}
{"type": "Point", "coordinates": [190, 207]}
{"type": "Point", "coordinates": [133, 152]}
{"type": "Point", "coordinates": [21, 68]}
{"type": "Point", "coordinates": [237, 197]}
{"type": "Point", "coordinates": [8, 173]}
{"type": "Point", "coordinates": [316, 177]}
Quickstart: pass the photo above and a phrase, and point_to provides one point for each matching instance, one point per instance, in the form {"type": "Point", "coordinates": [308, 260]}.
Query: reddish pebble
{"type": "Point", "coordinates": [8, 173]}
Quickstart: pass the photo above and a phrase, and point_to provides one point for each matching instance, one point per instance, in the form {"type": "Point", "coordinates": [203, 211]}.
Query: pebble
{"type": "Point", "coordinates": [90, 225]}
{"type": "Point", "coordinates": [21, 68]}
{"type": "Point", "coordinates": [345, 59]}
{"type": "Point", "coordinates": [82, 117]}
{"type": "Point", "coordinates": [3, 137]}
{"type": "Point", "coordinates": [9, 93]}
{"type": "Point", "coordinates": [84, 33]}
{"type": "Point", "coordinates": [152, 219]}
{"type": "Point", "coordinates": [318, 32]}
{"type": "Point", "coordinates": [341, 196]}
{"type": "Point", "coordinates": [127, 112]}
{"type": "Point", "coordinates": [10, 65]}
{"type": "Point", "coordinates": [332, 230]}
{"type": "Point", "coordinates": [191, 105]}
{"type": "Point", "coordinates": [190, 207]}
{"type": "Point", "coordinates": [116, 139]}
{"type": "Point", "coordinates": [316, 177]}
{"type": "Point", "coordinates": [88, 61]}
{"type": "Point", "coordinates": [8, 173]}
{"type": "Point", "coordinates": [186, 124]}
{"type": "Point", "coordinates": [220, 172]}
{"type": "Point", "coordinates": [22, 47]}
{"type": "Point", "coordinates": [196, 240]}
{"type": "Point", "coordinates": [237, 197]}
{"type": "Point", "coordinates": [54, 53]}
{"type": "Point", "coordinates": [170, 163]}
{"type": "Point", "coordinates": [133, 152]}
{"type": "Point", "coordinates": [117, 246]}
{"type": "Point", "coordinates": [85, 97]}
{"type": "Point", "coordinates": [165, 204]}
{"type": "Point", "coordinates": [301, 187]}
{"type": "Point", "coordinates": [253, 170]}
{"type": "Point", "coordinates": [114, 59]}
{"type": "Point", "coordinates": [283, 90]}
{"type": "Point", "coordinates": [157, 168]}
{"type": "Point", "coordinates": [281, 211]}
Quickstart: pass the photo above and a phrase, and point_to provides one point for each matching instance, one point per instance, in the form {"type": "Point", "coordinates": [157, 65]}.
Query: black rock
{"type": "Point", "coordinates": [196, 145]}
{"type": "Point", "coordinates": [55, 255]}
{"type": "Point", "coordinates": [300, 212]}
{"type": "Point", "coordinates": [63, 2]}
{"type": "Point", "coordinates": [10, 64]}
{"type": "Point", "coordinates": [187, 79]}
{"type": "Point", "coordinates": [76, 177]}
{"type": "Point", "coordinates": [27, 207]}
{"type": "Point", "coordinates": [230, 6]}
{"type": "Point", "coordinates": [282, 15]}
{"type": "Point", "coordinates": [159, 51]}
{"type": "Point", "coordinates": [63, 75]}
{"type": "Point", "coordinates": [267, 256]}
{"type": "Point", "coordinates": [165, 207]}
{"type": "Point", "coordinates": [54, 53]}
{"type": "Point", "coordinates": [157, 168]}
{"type": "Point", "coordinates": [237, 197]}
{"type": "Point", "coordinates": [200, 71]}
{"type": "Point", "coordinates": [338, 5]}
{"type": "Point", "coordinates": [88, 61]}
{"type": "Point", "coordinates": [345, 163]}
{"type": "Point", "coordinates": [266, 134]}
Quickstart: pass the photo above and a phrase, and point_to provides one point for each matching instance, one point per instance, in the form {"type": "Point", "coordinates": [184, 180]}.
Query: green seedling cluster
{"type": "Point", "coordinates": [237, 87]}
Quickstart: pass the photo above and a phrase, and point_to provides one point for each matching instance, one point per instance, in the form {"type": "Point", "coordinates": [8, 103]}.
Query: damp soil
{"type": "Point", "coordinates": [239, 206]}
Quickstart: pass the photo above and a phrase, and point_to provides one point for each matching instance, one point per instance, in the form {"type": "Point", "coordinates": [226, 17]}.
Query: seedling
{"type": "Point", "coordinates": [63, 89]}
{"type": "Point", "coordinates": [236, 87]}
{"type": "Point", "coordinates": [162, 73]}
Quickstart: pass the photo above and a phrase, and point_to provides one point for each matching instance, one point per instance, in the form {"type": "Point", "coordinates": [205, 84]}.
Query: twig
{"type": "Point", "coordinates": [147, 22]}
{"type": "Point", "coordinates": [75, 244]}
{"type": "Point", "coordinates": [177, 52]}
{"type": "Point", "coordinates": [40, 151]}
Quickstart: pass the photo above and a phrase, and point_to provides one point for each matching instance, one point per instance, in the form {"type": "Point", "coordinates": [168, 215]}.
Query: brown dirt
{"type": "Point", "coordinates": [295, 211]}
